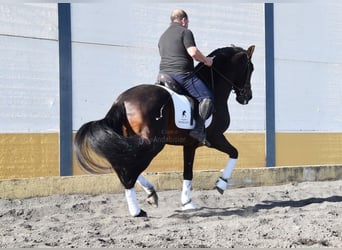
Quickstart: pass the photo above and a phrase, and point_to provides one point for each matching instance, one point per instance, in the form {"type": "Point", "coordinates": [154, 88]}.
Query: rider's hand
{"type": "Point", "coordinates": [209, 61]}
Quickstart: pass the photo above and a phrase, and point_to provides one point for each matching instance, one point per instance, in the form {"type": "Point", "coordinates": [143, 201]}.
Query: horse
{"type": "Point", "coordinates": [142, 120]}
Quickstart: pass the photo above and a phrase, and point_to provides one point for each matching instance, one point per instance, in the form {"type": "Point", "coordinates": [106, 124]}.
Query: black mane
{"type": "Point", "coordinates": [221, 54]}
{"type": "Point", "coordinates": [226, 51]}
{"type": "Point", "coordinates": [221, 62]}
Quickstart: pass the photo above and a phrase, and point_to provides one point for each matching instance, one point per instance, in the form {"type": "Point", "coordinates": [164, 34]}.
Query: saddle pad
{"type": "Point", "coordinates": [182, 106]}
{"type": "Point", "coordinates": [183, 110]}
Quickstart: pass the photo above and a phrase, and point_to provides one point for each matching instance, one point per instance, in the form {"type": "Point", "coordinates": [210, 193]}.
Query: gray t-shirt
{"type": "Point", "coordinates": [173, 45]}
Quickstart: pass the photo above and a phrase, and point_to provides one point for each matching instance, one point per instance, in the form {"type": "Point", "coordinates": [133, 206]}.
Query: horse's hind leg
{"type": "Point", "coordinates": [131, 197]}
{"type": "Point", "coordinates": [148, 187]}
{"type": "Point", "coordinates": [132, 202]}
{"type": "Point", "coordinates": [128, 181]}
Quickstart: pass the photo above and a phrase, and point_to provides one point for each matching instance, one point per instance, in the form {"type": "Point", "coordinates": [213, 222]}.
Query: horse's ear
{"type": "Point", "coordinates": [250, 51]}
{"type": "Point", "coordinates": [232, 45]}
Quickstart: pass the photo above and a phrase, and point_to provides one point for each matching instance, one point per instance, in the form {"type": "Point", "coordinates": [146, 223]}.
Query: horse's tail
{"type": "Point", "coordinates": [100, 146]}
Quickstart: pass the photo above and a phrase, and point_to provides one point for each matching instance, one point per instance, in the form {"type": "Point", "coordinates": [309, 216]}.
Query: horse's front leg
{"type": "Point", "coordinates": [188, 157]}
{"type": "Point", "coordinates": [222, 182]}
{"type": "Point", "coordinates": [222, 144]}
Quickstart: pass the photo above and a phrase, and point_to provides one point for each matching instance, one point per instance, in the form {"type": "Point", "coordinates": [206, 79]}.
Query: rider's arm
{"type": "Point", "coordinates": [197, 55]}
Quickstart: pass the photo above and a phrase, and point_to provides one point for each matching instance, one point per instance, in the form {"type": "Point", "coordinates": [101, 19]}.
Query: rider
{"type": "Point", "coordinates": [177, 49]}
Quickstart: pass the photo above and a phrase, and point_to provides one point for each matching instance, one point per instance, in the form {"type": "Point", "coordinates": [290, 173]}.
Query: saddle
{"type": "Point", "coordinates": [168, 82]}
{"type": "Point", "coordinates": [184, 105]}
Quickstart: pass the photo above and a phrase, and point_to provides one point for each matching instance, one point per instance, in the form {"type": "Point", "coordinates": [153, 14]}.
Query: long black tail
{"type": "Point", "coordinates": [100, 146]}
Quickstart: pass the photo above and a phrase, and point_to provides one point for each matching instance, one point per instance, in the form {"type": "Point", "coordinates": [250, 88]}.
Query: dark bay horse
{"type": "Point", "coordinates": [141, 121]}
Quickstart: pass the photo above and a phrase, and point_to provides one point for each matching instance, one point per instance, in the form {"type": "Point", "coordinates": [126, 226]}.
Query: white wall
{"type": "Point", "coordinates": [115, 47]}
{"type": "Point", "coordinates": [308, 39]}
{"type": "Point", "coordinates": [29, 78]}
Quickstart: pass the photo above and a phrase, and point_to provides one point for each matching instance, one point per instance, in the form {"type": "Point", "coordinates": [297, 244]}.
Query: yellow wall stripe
{"type": "Point", "coordinates": [308, 148]}
{"type": "Point", "coordinates": [28, 155]}
{"type": "Point", "coordinates": [36, 155]}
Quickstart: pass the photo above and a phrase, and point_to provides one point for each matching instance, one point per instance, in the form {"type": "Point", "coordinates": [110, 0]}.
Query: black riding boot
{"type": "Point", "coordinates": [198, 132]}
{"type": "Point", "coordinates": [205, 109]}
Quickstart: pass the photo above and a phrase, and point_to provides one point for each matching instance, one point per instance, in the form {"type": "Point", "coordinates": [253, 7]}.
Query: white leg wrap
{"type": "Point", "coordinates": [145, 184]}
{"type": "Point", "coordinates": [186, 191]}
{"type": "Point", "coordinates": [132, 202]}
{"type": "Point", "coordinates": [222, 183]}
{"type": "Point", "coordinates": [185, 198]}
{"type": "Point", "coordinates": [227, 172]}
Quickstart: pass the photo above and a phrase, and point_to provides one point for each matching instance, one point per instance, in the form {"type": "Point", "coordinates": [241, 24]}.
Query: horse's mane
{"type": "Point", "coordinates": [222, 62]}
{"type": "Point", "coordinates": [226, 52]}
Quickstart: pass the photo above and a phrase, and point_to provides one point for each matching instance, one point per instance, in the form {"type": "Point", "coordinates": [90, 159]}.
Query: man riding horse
{"type": "Point", "coordinates": [137, 126]}
{"type": "Point", "coordinates": [177, 49]}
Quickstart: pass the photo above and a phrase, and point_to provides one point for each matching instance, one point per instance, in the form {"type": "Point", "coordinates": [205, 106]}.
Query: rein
{"type": "Point", "coordinates": [213, 69]}
{"type": "Point", "coordinates": [234, 86]}
{"type": "Point", "coordinates": [226, 79]}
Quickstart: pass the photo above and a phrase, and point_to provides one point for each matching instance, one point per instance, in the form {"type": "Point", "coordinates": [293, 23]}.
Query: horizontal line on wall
{"type": "Point", "coordinates": [30, 37]}
{"type": "Point", "coordinates": [308, 61]}
{"type": "Point", "coordinates": [114, 45]}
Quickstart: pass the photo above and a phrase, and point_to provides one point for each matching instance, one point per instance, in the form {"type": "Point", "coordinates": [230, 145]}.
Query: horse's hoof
{"type": "Point", "coordinates": [219, 190]}
{"type": "Point", "coordinates": [152, 199]}
{"type": "Point", "coordinates": [221, 185]}
{"type": "Point", "coordinates": [188, 206]}
{"type": "Point", "coordinates": [141, 214]}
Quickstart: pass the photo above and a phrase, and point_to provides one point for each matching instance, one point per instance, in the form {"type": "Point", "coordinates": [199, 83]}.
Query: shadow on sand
{"type": "Point", "coordinates": [250, 210]}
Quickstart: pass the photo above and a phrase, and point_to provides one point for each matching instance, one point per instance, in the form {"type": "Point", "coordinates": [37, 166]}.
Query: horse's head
{"type": "Point", "coordinates": [234, 66]}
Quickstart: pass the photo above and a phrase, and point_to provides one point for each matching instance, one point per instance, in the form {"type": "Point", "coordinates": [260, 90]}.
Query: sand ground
{"type": "Point", "coordinates": [307, 214]}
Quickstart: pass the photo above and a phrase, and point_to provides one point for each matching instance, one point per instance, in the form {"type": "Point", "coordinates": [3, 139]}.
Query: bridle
{"type": "Point", "coordinates": [243, 92]}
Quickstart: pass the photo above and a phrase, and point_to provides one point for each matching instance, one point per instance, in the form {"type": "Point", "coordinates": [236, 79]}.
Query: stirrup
{"type": "Point", "coordinates": [200, 137]}
{"type": "Point", "coordinates": [221, 185]}
{"type": "Point", "coordinates": [206, 143]}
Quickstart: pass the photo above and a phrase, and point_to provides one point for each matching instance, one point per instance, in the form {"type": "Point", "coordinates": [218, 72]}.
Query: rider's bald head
{"type": "Point", "coordinates": [177, 15]}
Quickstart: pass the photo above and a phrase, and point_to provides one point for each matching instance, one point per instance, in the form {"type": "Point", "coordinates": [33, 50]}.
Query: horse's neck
{"type": "Point", "coordinates": [221, 92]}
{"type": "Point", "coordinates": [221, 102]}
{"type": "Point", "coordinates": [220, 89]}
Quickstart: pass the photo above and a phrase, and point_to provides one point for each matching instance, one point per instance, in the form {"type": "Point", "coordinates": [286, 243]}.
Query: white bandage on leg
{"type": "Point", "coordinates": [222, 183]}
{"type": "Point", "coordinates": [145, 184]}
{"type": "Point", "coordinates": [185, 198]}
{"type": "Point", "coordinates": [132, 202]}
{"type": "Point", "coordinates": [227, 172]}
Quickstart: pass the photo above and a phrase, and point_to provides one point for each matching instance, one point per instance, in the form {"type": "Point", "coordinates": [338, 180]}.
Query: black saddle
{"type": "Point", "coordinates": [167, 81]}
